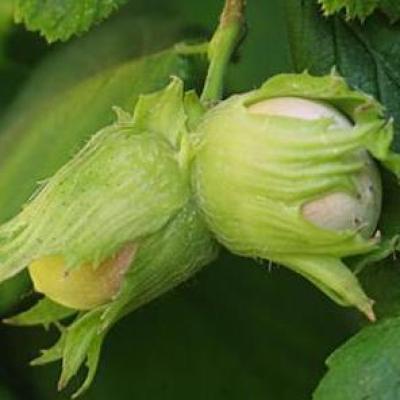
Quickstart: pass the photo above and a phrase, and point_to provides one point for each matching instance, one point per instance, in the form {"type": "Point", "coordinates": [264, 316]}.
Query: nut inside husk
{"type": "Point", "coordinates": [84, 287]}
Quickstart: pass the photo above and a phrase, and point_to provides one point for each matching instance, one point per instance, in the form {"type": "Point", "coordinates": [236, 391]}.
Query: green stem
{"type": "Point", "coordinates": [222, 45]}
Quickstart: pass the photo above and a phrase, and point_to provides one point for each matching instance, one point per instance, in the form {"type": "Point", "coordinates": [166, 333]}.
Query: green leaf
{"type": "Point", "coordinates": [363, 54]}
{"type": "Point", "coordinates": [380, 279]}
{"type": "Point", "coordinates": [354, 8]}
{"type": "Point", "coordinates": [361, 8]}
{"type": "Point", "coordinates": [44, 312]}
{"type": "Point", "coordinates": [59, 20]}
{"type": "Point", "coordinates": [5, 394]}
{"type": "Point", "coordinates": [6, 8]}
{"type": "Point", "coordinates": [391, 8]}
{"type": "Point", "coordinates": [11, 292]}
{"type": "Point", "coordinates": [366, 367]}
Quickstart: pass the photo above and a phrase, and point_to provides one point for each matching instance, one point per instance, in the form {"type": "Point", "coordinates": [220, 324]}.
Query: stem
{"type": "Point", "coordinates": [222, 45]}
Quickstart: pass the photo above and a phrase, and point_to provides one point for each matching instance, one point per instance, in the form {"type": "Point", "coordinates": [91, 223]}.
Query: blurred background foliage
{"type": "Point", "coordinates": [236, 331]}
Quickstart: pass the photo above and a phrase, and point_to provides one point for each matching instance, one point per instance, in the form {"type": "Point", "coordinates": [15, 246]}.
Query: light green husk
{"type": "Point", "coordinates": [125, 184]}
{"type": "Point", "coordinates": [129, 184]}
{"type": "Point", "coordinates": [253, 174]}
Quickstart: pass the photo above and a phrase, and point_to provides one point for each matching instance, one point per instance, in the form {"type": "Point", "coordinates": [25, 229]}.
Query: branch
{"type": "Point", "coordinates": [222, 45]}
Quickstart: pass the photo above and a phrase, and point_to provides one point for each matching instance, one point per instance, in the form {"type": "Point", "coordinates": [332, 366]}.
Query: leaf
{"type": "Point", "coordinates": [391, 8]}
{"type": "Point", "coordinates": [6, 8]}
{"type": "Point", "coordinates": [59, 20]}
{"type": "Point", "coordinates": [361, 8]}
{"type": "Point", "coordinates": [380, 279]}
{"type": "Point", "coordinates": [366, 367]}
{"type": "Point", "coordinates": [10, 74]}
{"type": "Point", "coordinates": [44, 312]}
{"type": "Point", "coordinates": [11, 292]}
{"type": "Point", "coordinates": [354, 8]}
{"type": "Point", "coordinates": [5, 394]}
{"type": "Point", "coordinates": [366, 55]}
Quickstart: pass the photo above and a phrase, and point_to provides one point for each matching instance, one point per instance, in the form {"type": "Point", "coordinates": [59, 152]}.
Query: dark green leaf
{"type": "Point", "coordinates": [391, 8]}
{"type": "Point", "coordinates": [367, 55]}
{"type": "Point", "coordinates": [59, 20]}
{"type": "Point", "coordinates": [118, 40]}
{"type": "Point", "coordinates": [11, 292]}
{"type": "Point", "coordinates": [361, 8]}
{"type": "Point", "coordinates": [5, 24]}
{"type": "Point", "coordinates": [366, 367]}
{"type": "Point", "coordinates": [5, 394]}
{"type": "Point", "coordinates": [354, 8]}
{"type": "Point", "coordinates": [380, 281]}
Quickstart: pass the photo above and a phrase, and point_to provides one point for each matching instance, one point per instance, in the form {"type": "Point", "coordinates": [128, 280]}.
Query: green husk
{"type": "Point", "coordinates": [129, 184]}
{"type": "Point", "coordinates": [254, 173]}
